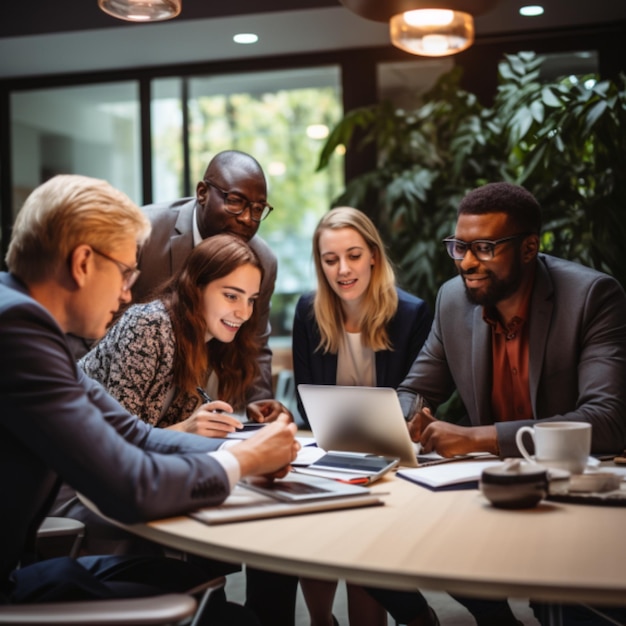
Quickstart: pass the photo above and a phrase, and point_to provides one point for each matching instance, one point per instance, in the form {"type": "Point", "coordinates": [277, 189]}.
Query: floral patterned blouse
{"type": "Point", "coordinates": [134, 362]}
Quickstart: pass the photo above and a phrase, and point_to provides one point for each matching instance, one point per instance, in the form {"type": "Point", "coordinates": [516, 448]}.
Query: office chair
{"type": "Point", "coordinates": [167, 609]}
{"type": "Point", "coordinates": [164, 610]}
{"type": "Point", "coordinates": [62, 527]}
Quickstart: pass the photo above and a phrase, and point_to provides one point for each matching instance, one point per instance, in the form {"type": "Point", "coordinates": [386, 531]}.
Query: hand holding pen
{"type": "Point", "coordinates": [210, 421]}
{"type": "Point", "coordinates": [420, 418]}
{"type": "Point", "coordinates": [234, 423]}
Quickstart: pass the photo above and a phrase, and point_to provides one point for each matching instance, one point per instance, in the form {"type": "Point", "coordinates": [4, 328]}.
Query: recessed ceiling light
{"type": "Point", "coordinates": [531, 10]}
{"type": "Point", "coordinates": [245, 38]}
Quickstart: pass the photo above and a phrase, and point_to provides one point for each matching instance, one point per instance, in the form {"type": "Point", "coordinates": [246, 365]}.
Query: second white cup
{"type": "Point", "coordinates": [562, 445]}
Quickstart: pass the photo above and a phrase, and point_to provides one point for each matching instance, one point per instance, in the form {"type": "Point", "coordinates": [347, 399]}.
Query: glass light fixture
{"type": "Point", "coordinates": [432, 32]}
{"type": "Point", "coordinates": [141, 10]}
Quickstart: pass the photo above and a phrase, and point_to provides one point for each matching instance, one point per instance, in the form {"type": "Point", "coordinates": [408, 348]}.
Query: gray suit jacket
{"type": "Point", "coordinates": [577, 355]}
{"type": "Point", "coordinates": [58, 424]}
{"type": "Point", "coordinates": [169, 245]}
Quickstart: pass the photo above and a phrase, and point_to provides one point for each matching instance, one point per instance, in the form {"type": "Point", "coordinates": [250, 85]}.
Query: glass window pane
{"type": "Point", "coordinates": [167, 139]}
{"type": "Point", "coordinates": [404, 82]}
{"type": "Point", "coordinates": [282, 119]}
{"type": "Point", "coordinates": [91, 130]}
{"type": "Point", "coordinates": [573, 66]}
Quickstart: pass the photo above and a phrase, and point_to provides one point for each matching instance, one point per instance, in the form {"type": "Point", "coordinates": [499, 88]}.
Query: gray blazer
{"type": "Point", "coordinates": [577, 355]}
{"type": "Point", "coordinates": [165, 252]}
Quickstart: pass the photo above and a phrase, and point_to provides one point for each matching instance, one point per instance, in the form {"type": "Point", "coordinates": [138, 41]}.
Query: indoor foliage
{"type": "Point", "coordinates": [563, 140]}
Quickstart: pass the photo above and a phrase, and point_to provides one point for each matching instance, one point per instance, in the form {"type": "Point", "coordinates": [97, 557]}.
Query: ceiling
{"type": "Point", "coordinates": [42, 37]}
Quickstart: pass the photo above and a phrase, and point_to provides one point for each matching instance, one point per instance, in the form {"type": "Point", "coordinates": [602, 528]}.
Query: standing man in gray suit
{"type": "Point", "coordinates": [231, 198]}
{"type": "Point", "coordinates": [523, 337]}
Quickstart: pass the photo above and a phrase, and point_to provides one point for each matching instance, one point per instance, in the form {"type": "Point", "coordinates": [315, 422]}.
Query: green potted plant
{"type": "Point", "coordinates": [564, 140]}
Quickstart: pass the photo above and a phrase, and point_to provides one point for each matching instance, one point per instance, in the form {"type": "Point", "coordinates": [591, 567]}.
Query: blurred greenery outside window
{"type": "Point", "coordinates": [282, 118]}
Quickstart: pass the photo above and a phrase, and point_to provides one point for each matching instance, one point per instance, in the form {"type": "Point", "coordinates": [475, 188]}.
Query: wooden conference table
{"type": "Point", "coordinates": [449, 541]}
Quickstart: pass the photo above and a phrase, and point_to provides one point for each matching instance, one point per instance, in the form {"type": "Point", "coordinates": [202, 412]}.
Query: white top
{"type": "Point", "coordinates": [356, 365]}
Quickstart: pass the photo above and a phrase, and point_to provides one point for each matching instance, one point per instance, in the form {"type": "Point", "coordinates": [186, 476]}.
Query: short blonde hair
{"type": "Point", "coordinates": [66, 211]}
{"type": "Point", "coordinates": [381, 297]}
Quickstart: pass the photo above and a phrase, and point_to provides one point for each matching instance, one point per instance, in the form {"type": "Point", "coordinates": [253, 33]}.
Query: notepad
{"type": "Point", "coordinates": [448, 474]}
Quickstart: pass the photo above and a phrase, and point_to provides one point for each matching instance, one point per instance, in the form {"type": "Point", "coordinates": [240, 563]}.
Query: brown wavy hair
{"type": "Point", "coordinates": [235, 363]}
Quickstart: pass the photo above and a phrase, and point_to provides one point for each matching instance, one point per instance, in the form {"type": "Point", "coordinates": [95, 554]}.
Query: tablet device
{"type": "Point", "coordinates": [355, 463]}
{"type": "Point", "coordinates": [358, 419]}
{"type": "Point", "coordinates": [301, 488]}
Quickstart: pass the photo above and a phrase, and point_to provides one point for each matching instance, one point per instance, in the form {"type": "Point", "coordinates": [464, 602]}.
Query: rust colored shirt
{"type": "Point", "coordinates": [510, 393]}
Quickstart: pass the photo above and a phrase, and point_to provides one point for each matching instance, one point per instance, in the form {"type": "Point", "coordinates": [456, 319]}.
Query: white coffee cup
{"type": "Point", "coordinates": [562, 445]}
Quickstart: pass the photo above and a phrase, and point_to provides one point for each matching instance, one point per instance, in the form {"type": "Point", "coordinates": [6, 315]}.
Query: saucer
{"type": "Point", "coordinates": [599, 482]}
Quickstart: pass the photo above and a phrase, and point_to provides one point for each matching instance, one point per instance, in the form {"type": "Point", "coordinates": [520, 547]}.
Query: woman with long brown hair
{"type": "Point", "coordinates": [197, 338]}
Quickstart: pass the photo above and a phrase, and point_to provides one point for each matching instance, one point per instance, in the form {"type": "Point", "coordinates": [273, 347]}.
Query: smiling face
{"type": "Point", "coordinates": [229, 302]}
{"type": "Point", "coordinates": [347, 263]}
{"type": "Point", "coordinates": [240, 179]}
{"type": "Point", "coordinates": [489, 282]}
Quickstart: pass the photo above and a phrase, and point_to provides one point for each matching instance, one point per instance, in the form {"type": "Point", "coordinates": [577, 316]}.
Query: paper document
{"type": "Point", "coordinates": [446, 474]}
{"type": "Point", "coordinates": [307, 455]}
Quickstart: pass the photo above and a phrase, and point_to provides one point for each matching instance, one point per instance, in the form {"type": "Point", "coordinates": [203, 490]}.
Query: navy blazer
{"type": "Point", "coordinates": [58, 424]}
{"type": "Point", "coordinates": [408, 330]}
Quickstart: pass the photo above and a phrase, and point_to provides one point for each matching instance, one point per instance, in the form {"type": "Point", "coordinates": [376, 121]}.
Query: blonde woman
{"type": "Point", "coordinates": [357, 329]}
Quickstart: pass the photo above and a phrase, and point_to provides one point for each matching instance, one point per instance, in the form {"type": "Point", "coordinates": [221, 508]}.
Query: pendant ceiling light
{"type": "Point", "coordinates": [141, 10]}
{"type": "Point", "coordinates": [426, 27]}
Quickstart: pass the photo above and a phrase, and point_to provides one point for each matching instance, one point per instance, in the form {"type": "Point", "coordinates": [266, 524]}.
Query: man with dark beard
{"type": "Point", "coordinates": [523, 337]}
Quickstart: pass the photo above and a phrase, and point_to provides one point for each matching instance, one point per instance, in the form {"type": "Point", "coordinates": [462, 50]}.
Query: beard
{"type": "Point", "coordinates": [499, 288]}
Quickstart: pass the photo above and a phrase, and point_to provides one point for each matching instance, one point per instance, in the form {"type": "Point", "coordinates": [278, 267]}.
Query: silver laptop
{"type": "Point", "coordinates": [358, 419]}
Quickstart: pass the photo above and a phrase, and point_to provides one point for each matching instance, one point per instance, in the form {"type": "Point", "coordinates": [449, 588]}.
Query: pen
{"type": "Point", "coordinates": [207, 398]}
{"type": "Point", "coordinates": [417, 405]}
{"type": "Point", "coordinates": [203, 394]}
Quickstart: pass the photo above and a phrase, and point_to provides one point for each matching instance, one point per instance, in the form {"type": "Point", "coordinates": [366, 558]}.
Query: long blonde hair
{"type": "Point", "coordinates": [381, 298]}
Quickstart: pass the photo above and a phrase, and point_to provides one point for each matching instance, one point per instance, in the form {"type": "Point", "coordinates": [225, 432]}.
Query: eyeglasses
{"type": "Point", "coordinates": [482, 249]}
{"type": "Point", "coordinates": [129, 274]}
{"type": "Point", "coordinates": [236, 204]}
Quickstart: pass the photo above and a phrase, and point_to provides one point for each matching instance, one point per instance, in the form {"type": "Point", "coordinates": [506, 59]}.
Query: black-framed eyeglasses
{"type": "Point", "coordinates": [236, 204]}
{"type": "Point", "coordinates": [129, 274]}
{"type": "Point", "coordinates": [482, 249]}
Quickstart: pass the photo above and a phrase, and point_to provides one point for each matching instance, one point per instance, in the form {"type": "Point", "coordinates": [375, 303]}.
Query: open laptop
{"type": "Point", "coordinates": [358, 419]}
